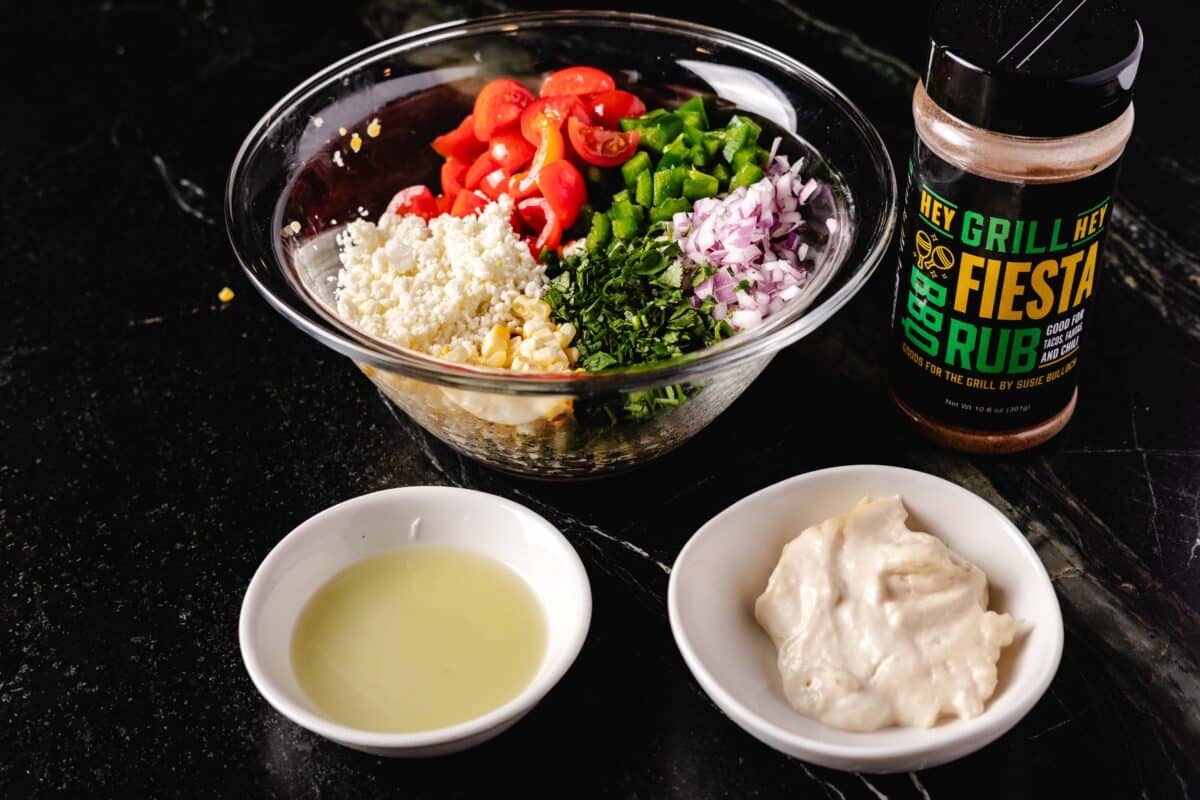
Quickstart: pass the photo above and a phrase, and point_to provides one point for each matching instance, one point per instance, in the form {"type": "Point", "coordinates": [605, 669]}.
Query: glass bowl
{"type": "Point", "coordinates": [315, 162]}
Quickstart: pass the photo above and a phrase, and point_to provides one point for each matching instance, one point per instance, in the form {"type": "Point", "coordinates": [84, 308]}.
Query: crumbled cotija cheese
{"type": "Point", "coordinates": [438, 286]}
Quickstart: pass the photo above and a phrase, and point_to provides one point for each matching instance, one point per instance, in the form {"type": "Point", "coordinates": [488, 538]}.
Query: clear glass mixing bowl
{"type": "Point", "coordinates": [298, 179]}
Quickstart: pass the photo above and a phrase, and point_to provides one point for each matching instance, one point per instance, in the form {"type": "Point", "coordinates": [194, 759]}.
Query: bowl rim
{"type": "Point", "coordinates": [414, 364]}
{"type": "Point", "coordinates": [971, 734]}
{"type": "Point", "coordinates": [517, 706]}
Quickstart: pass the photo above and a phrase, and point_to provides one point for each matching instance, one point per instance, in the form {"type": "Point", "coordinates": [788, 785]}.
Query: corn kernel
{"type": "Point", "coordinates": [495, 342]}
{"type": "Point", "coordinates": [533, 327]}
{"type": "Point", "coordinates": [565, 333]}
{"type": "Point", "coordinates": [572, 354]}
{"type": "Point", "coordinates": [541, 310]}
{"type": "Point", "coordinates": [546, 355]}
{"type": "Point", "coordinates": [225, 295]}
{"type": "Point", "coordinates": [523, 307]}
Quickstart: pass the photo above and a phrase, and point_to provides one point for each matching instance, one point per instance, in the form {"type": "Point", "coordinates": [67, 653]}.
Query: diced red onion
{"type": "Point", "coordinates": [753, 238]}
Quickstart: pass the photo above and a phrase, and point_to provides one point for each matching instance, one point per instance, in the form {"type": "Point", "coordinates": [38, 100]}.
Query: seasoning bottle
{"type": "Point", "coordinates": [1021, 119]}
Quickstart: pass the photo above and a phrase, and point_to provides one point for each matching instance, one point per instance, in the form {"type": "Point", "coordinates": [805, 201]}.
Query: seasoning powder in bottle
{"type": "Point", "coordinates": [1024, 112]}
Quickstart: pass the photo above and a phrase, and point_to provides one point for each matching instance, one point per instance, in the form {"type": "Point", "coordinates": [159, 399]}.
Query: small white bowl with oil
{"type": "Point", "coordinates": [401, 524]}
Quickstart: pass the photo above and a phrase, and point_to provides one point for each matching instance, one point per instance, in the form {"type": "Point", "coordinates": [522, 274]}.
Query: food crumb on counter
{"type": "Point", "coordinates": [225, 295]}
{"type": "Point", "coordinates": [291, 229]}
{"type": "Point", "coordinates": [318, 122]}
{"type": "Point", "coordinates": [374, 128]}
{"type": "Point", "coordinates": [356, 142]}
{"type": "Point", "coordinates": [337, 158]}
{"type": "Point", "coordinates": [342, 131]}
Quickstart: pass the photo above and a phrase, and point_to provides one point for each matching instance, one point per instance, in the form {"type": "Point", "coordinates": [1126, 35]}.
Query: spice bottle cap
{"type": "Point", "coordinates": [1037, 68]}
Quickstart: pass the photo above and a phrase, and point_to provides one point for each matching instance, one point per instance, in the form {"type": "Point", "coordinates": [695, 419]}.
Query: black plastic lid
{"type": "Point", "coordinates": [1033, 67]}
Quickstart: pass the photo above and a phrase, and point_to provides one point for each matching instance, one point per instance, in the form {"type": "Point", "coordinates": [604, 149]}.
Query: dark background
{"type": "Point", "coordinates": [154, 444]}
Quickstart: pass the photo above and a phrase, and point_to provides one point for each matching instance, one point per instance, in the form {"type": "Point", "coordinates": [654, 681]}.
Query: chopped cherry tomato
{"type": "Point", "coordinates": [552, 110]}
{"type": "Point", "coordinates": [481, 166]}
{"type": "Point", "coordinates": [564, 190]}
{"type": "Point", "coordinates": [510, 151]}
{"type": "Point", "coordinates": [551, 149]}
{"type": "Point", "coordinates": [577, 80]}
{"type": "Point", "coordinates": [414, 200]}
{"type": "Point", "coordinates": [609, 108]}
{"type": "Point", "coordinates": [533, 212]}
{"type": "Point", "coordinates": [538, 215]}
{"type": "Point", "coordinates": [600, 146]}
{"type": "Point", "coordinates": [454, 174]}
{"type": "Point", "coordinates": [461, 142]}
{"type": "Point", "coordinates": [467, 203]}
{"type": "Point", "coordinates": [494, 184]}
{"type": "Point", "coordinates": [549, 239]}
{"type": "Point", "coordinates": [444, 203]}
{"type": "Point", "coordinates": [499, 104]}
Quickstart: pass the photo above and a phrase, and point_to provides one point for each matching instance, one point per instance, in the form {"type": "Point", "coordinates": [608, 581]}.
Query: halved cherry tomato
{"type": "Point", "coordinates": [494, 184]}
{"type": "Point", "coordinates": [609, 108]}
{"type": "Point", "coordinates": [554, 110]}
{"type": "Point", "coordinates": [538, 215]}
{"type": "Point", "coordinates": [600, 146]}
{"type": "Point", "coordinates": [454, 173]}
{"type": "Point", "coordinates": [414, 200]}
{"type": "Point", "coordinates": [577, 80]}
{"type": "Point", "coordinates": [564, 190]}
{"type": "Point", "coordinates": [551, 149]}
{"type": "Point", "coordinates": [480, 167]}
{"type": "Point", "coordinates": [467, 203]}
{"type": "Point", "coordinates": [499, 104]}
{"type": "Point", "coordinates": [510, 151]}
{"type": "Point", "coordinates": [461, 142]}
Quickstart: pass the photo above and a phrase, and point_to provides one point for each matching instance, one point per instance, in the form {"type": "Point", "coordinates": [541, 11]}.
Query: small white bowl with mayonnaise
{"type": "Point", "coordinates": [338, 622]}
{"type": "Point", "coordinates": [725, 567]}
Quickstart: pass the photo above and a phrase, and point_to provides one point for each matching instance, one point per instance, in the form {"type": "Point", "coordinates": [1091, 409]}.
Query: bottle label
{"type": "Point", "coordinates": [992, 292]}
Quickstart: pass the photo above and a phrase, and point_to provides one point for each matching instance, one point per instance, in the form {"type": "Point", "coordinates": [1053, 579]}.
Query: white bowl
{"type": "Point", "coordinates": [725, 566]}
{"type": "Point", "coordinates": [381, 522]}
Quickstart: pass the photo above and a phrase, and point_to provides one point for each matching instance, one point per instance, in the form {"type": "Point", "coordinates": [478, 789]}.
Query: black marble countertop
{"type": "Point", "coordinates": [155, 443]}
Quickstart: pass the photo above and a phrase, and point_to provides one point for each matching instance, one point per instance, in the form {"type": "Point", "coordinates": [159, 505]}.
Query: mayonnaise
{"type": "Point", "coordinates": [878, 625]}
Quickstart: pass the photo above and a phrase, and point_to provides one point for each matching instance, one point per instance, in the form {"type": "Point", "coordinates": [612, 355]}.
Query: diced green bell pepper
{"type": "Point", "coordinates": [692, 135]}
{"type": "Point", "coordinates": [669, 208]}
{"type": "Point", "coordinates": [623, 209]}
{"type": "Point", "coordinates": [746, 175]}
{"type": "Point", "coordinates": [740, 132]}
{"type": "Point", "coordinates": [660, 131]}
{"type": "Point", "coordinates": [748, 155]}
{"type": "Point", "coordinates": [640, 162]}
{"type": "Point", "coordinates": [697, 185]}
{"type": "Point", "coordinates": [600, 234]}
{"type": "Point", "coordinates": [643, 193]}
{"type": "Point", "coordinates": [693, 113]}
{"type": "Point", "coordinates": [668, 183]}
{"type": "Point", "coordinates": [625, 229]}
{"type": "Point", "coordinates": [721, 173]}
{"type": "Point", "coordinates": [677, 152]}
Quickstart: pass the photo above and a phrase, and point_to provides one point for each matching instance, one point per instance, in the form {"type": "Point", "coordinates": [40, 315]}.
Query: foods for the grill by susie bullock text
{"type": "Point", "coordinates": [1022, 116]}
